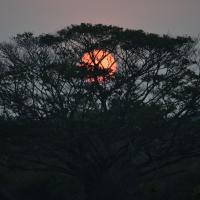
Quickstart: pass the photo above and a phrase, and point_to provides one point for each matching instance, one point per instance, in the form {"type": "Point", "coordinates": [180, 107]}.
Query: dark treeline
{"type": "Point", "coordinates": [54, 119]}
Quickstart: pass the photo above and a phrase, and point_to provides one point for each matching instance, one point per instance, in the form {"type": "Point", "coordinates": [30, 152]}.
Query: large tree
{"type": "Point", "coordinates": [145, 106]}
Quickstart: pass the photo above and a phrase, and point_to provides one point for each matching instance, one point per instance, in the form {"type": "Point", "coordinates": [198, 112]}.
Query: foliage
{"type": "Point", "coordinates": [53, 119]}
{"type": "Point", "coordinates": [41, 77]}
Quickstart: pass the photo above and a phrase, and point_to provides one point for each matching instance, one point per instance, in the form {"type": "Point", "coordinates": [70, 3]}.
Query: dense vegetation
{"type": "Point", "coordinates": [53, 119]}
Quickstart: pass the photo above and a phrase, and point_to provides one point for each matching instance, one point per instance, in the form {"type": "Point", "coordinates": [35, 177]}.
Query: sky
{"type": "Point", "coordinates": [174, 17]}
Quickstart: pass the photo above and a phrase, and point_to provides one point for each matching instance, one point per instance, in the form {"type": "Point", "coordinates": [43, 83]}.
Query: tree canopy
{"type": "Point", "coordinates": [41, 77]}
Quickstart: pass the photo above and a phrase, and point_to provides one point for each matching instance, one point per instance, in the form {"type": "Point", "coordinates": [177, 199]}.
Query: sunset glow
{"type": "Point", "coordinates": [99, 59]}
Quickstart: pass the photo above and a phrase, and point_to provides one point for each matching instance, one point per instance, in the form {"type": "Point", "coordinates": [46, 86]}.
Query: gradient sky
{"type": "Point", "coordinates": [176, 17]}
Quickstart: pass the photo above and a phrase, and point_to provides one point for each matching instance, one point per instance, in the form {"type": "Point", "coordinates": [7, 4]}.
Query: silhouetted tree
{"type": "Point", "coordinates": [143, 107]}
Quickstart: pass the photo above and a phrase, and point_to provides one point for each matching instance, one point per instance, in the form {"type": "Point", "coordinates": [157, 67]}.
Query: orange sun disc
{"type": "Point", "coordinates": [99, 59]}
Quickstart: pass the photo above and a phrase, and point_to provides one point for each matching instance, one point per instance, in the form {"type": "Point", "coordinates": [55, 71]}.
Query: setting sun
{"type": "Point", "coordinates": [99, 59]}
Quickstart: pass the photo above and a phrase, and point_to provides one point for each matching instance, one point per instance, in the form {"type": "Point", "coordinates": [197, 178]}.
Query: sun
{"type": "Point", "coordinates": [99, 60]}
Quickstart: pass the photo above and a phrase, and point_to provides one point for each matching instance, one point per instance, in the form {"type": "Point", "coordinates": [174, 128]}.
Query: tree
{"type": "Point", "coordinates": [140, 108]}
